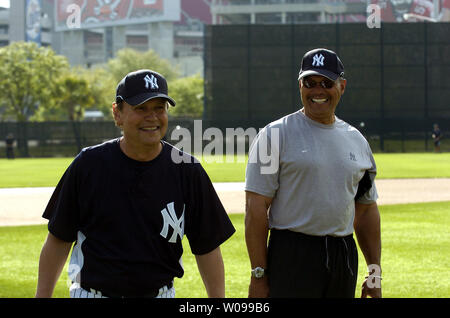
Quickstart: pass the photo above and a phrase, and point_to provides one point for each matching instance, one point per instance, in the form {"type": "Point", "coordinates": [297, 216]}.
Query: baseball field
{"type": "Point", "coordinates": [415, 237]}
{"type": "Point", "coordinates": [45, 172]}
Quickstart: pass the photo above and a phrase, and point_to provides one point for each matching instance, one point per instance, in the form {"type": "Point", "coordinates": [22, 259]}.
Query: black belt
{"type": "Point", "coordinates": [151, 294]}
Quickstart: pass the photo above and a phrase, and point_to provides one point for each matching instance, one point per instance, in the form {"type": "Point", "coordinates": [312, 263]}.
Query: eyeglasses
{"type": "Point", "coordinates": [310, 83]}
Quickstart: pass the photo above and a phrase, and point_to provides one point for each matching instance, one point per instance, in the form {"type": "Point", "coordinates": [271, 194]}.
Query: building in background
{"type": "Point", "coordinates": [27, 20]}
{"type": "Point", "coordinates": [188, 36]}
{"type": "Point", "coordinates": [90, 32]}
{"type": "Point", "coordinates": [287, 11]}
{"type": "Point", "coordinates": [325, 11]}
{"type": "Point", "coordinates": [172, 28]}
{"type": "Point", "coordinates": [414, 10]}
{"type": "Point", "coordinates": [175, 28]}
{"type": "Point", "coordinates": [4, 27]}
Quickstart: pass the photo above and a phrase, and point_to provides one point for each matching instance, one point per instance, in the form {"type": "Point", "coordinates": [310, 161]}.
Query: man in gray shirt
{"type": "Point", "coordinates": [310, 180]}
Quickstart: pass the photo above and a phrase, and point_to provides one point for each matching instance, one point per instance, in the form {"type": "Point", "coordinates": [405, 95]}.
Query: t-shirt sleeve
{"type": "Point", "coordinates": [370, 194]}
{"type": "Point", "coordinates": [208, 224]}
{"type": "Point", "coordinates": [262, 172]}
{"type": "Point", "coordinates": [62, 211]}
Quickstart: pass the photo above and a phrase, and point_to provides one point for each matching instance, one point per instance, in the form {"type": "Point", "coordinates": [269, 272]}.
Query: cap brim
{"type": "Point", "coordinates": [142, 98]}
{"type": "Point", "coordinates": [332, 76]}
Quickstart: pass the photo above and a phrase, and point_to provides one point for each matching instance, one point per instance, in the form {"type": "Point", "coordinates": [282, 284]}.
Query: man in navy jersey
{"type": "Point", "coordinates": [127, 205]}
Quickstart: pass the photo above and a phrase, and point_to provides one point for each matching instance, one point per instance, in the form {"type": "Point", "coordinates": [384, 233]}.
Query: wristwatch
{"type": "Point", "coordinates": [258, 272]}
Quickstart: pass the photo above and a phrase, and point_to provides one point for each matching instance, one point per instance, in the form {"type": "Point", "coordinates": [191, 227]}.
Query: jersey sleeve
{"type": "Point", "coordinates": [262, 172]}
{"type": "Point", "coordinates": [208, 224]}
{"type": "Point", "coordinates": [62, 210]}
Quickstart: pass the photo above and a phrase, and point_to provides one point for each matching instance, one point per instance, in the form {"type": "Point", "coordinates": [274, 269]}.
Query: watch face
{"type": "Point", "coordinates": [258, 272]}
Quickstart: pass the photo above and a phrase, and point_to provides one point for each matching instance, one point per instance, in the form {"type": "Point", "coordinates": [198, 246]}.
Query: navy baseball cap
{"type": "Point", "coordinates": [321, 62]}
{"type": "Point", "coordinates": [142, 85]}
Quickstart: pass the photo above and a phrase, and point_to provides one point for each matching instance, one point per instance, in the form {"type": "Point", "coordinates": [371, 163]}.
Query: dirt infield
{"type": "Point", "coordinates": [24, 206]}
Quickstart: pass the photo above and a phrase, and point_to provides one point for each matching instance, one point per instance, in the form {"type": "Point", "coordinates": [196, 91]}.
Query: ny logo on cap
{"type": "Point", "coordinates": [151, 81]}
{"type": "Point", "coordinates": [318, 60]}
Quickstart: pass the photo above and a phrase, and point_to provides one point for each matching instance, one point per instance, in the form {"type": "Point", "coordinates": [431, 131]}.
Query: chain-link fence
{"type": "Point", "coordinates": [398, 87]}
{"type": "Point", "coordinates": [66, 139]}
{"type": "Point", "coordinates": [57, 139]}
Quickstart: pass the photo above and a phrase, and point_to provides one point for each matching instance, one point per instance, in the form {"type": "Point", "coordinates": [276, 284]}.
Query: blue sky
{"type": "Point", "coordinates": [4, 3]}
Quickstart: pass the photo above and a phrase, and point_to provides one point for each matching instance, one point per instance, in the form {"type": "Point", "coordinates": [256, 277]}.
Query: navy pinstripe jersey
{"type": "Point", "coordinates": [129, 217]}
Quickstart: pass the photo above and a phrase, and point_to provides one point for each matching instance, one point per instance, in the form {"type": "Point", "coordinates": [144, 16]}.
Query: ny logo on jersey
{"type": "Point", "coordinates": [170, 218]}
{"type": "Point", "coordinates": [151, 82]}
{"type": "Point", "coordinates": [318, 60]}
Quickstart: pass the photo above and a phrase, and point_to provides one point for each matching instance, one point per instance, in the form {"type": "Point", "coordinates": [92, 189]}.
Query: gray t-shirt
{"type": "Point", "coordinates": [312, 173]}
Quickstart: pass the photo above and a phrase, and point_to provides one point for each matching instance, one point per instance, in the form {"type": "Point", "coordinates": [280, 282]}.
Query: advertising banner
{"type": "Point", "coordinates": [83, 14]}
{"type": "Point", "coordinates": [33, 21]}
{"type": "Point", "coordinates": [399, 10]}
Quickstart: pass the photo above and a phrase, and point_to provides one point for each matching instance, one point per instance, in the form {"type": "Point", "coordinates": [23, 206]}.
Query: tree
{"type": "Point", "coordinates": [102, 88]}
{"type": "Point", "coordinates": [73, 94]}
{"type": "Point", "coordinates": [188, 94]}
{"type": "Point", "coordinates": [27, 76]}
{"type": "Point", "coordinates": [129, 60]}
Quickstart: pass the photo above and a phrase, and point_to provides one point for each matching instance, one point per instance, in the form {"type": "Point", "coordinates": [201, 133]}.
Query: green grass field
{"type": "Point", "coordinates": [45, 172]}
{"type": "Point", "coordinates": [416, 242]}
{"type": "Point", "coordinates": [415, 239]}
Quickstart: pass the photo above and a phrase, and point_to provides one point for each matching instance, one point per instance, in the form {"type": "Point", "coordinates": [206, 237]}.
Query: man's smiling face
{"type": "Point", "coordinates": [320, 102]}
